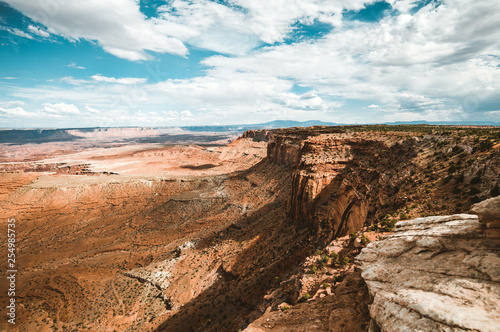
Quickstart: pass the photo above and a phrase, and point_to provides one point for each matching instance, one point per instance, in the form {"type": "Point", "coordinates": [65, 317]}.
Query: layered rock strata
{"type": "Point", "coordinates": [434, 274]}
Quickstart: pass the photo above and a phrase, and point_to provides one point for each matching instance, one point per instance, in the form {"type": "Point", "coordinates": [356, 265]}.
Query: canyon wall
{"type": "Point", "coordinates": [337, 178]}
{"type": "Point", "coordinates": [342, 179]}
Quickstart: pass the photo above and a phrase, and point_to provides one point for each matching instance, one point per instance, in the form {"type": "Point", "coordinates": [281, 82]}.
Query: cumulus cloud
{"type": "Point", "coordinates": [238, 26]}
{"type": "Point", "coordinates": [15, 111]}
{"type": "Point", "coordinates": [401, 59]}
{"type": "Point", "coordinates": [125, 33]}
{"type": "Point", "coordinates": [60, 108]}
{"type": "Point", "coordinates": [124, 80]}
{"type": "Point", "coordinates": [307, 101]}
{"type": "Point", "coordinates": [17, 32]}
{"type": "Point", "coordinates": [38, 31]}
{"type": "Point", "coordinates": [186, 114]}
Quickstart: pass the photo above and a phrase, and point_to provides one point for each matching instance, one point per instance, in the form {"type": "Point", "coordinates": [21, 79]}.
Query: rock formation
{"type": "Point", "coordinates": [436, 274]}
{"type": "Point", "coordinates": [489, 217]}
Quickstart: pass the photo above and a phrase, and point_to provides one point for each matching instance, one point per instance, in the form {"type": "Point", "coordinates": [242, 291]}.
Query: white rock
{"type": "Point", "coordinates": [434, 274]}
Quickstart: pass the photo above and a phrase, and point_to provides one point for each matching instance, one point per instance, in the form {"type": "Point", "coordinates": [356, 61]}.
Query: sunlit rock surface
{"type": "Point", "coordinates": [434, 274]}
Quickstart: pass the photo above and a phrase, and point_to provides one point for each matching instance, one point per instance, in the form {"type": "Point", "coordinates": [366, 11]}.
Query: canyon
{"type": "Point", "coordinates": [261, 233]}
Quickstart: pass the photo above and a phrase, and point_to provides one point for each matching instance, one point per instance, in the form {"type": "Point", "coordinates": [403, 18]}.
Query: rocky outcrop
{"type": "Point", "coordinates": [262, 135]}
{"type": "Point", "coordinates": [284, 150]}
{"type": "Point", "coordinates": [489, 217]}
{"type": "Point", "coordinates": [434, 274]}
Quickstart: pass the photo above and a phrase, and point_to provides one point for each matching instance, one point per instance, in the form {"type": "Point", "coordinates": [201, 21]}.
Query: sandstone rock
{"type": "Point", "coordinates": [488, 210]}
{"type": "Point", "coordinates": [433, 274]}
{"type": "Point", "coordinates": [489, 216]}
{"type": "Point", "coordinates": [357, 243]}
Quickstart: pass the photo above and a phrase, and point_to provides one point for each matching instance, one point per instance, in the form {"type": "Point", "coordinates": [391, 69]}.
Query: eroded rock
{"type": "Point", "coordinates": [434, 274]}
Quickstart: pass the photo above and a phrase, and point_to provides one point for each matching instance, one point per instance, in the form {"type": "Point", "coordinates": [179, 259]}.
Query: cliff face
{"type": "Point", "coordinates": [338, 178]}
{"type": "Point", "coordinates": [284, 150]}
{"type": "Point", "coordinates": [342, 180]}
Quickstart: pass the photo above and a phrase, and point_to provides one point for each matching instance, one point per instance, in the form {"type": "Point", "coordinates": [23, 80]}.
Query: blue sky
{"type": "Point", "coordinates": [168, 63]}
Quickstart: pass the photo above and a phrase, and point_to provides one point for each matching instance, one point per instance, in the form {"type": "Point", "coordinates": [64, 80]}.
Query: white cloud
{"type": "Point", "coordinates": [74, 65]}
{"type": "Point", "coordinates": [92, 110]}
{"type": "Point", "coordinates": [307, 101]}
{"type": "Point", "coordinates": [16, 111]}
{"type": "Point", "coordinates": [240, 26]}
{"type": "Point", "coordinates": [373, 106]}
{"type": "Point", "coordinates": [17, 32]}
{"type": "Point", "coordinates": [124, 80]}
{"type": "Point", "coordinates": [186, 114]}
{"type": "Point", "coordinates": [60, 108]}
{"type": "Point", "coordinates": [118, 25]}
{"type": "Point", "coordinates": [38, 31]}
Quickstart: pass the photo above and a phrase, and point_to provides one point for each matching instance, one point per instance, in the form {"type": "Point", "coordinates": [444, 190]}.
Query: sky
{"type": "Point", "coordinates": [94, 63]}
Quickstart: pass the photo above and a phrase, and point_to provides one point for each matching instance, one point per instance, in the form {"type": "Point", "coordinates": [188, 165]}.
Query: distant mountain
{"type": "Point", "coordinates": [268, 125]}
{"type": "Point", "coordinates": [289, 123]}
{"type": "Point", "coordinates": [447, 123]}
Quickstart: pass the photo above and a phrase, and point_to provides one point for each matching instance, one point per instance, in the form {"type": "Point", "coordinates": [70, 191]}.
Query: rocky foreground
{"type": "Point", "coordinates": [436, 274]}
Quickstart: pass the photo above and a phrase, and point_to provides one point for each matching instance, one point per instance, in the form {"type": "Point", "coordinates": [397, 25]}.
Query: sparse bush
{"type": "Point", "coordinates": [353, 236]}
{"type": "Point", "coordinates": [326, 285]}
{"type": "Point", "coordinates": [364, 240]}
{"type": "Point", "coordinates": [345, 261]}
{"type": "Point", "coordinates": [305, 297]}
{"type": "Point", "coordinates": [486, 145]}
{"type": "Point", "coordinates": [335, 258]}
{"type": "Point", "coordinates": [387, 224]}
{"type": "Point", "coordinates": [312, 270]}
{"type": "Point", "coordinates": [284, 308]}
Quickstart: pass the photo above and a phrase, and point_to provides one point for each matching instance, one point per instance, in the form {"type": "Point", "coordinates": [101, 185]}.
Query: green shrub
{"type": "Point", "coordinates": [353, 236]}
{"type": "Point", "coordinates": [387, 224]}
{"type": "Point", "coordinates": [335, 258]}
{"type": "Point", "coordinates": [312, 270]}
{"type": "Point", "coordinates": [305, 297]}
{"type": "Point", "coordinates": [345, 261]}
{"type": "Point", "coordinates": [364, 240]}
{"type": "Point", "coordinates": [284, 308]}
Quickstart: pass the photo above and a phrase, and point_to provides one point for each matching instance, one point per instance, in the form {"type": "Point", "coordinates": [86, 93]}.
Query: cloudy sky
{"type": "Point", "coordinates": [80, 63]}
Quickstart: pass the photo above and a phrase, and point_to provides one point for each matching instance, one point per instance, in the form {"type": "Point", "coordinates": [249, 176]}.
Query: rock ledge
{"type": "Point", "coordinates": [434, 274]}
